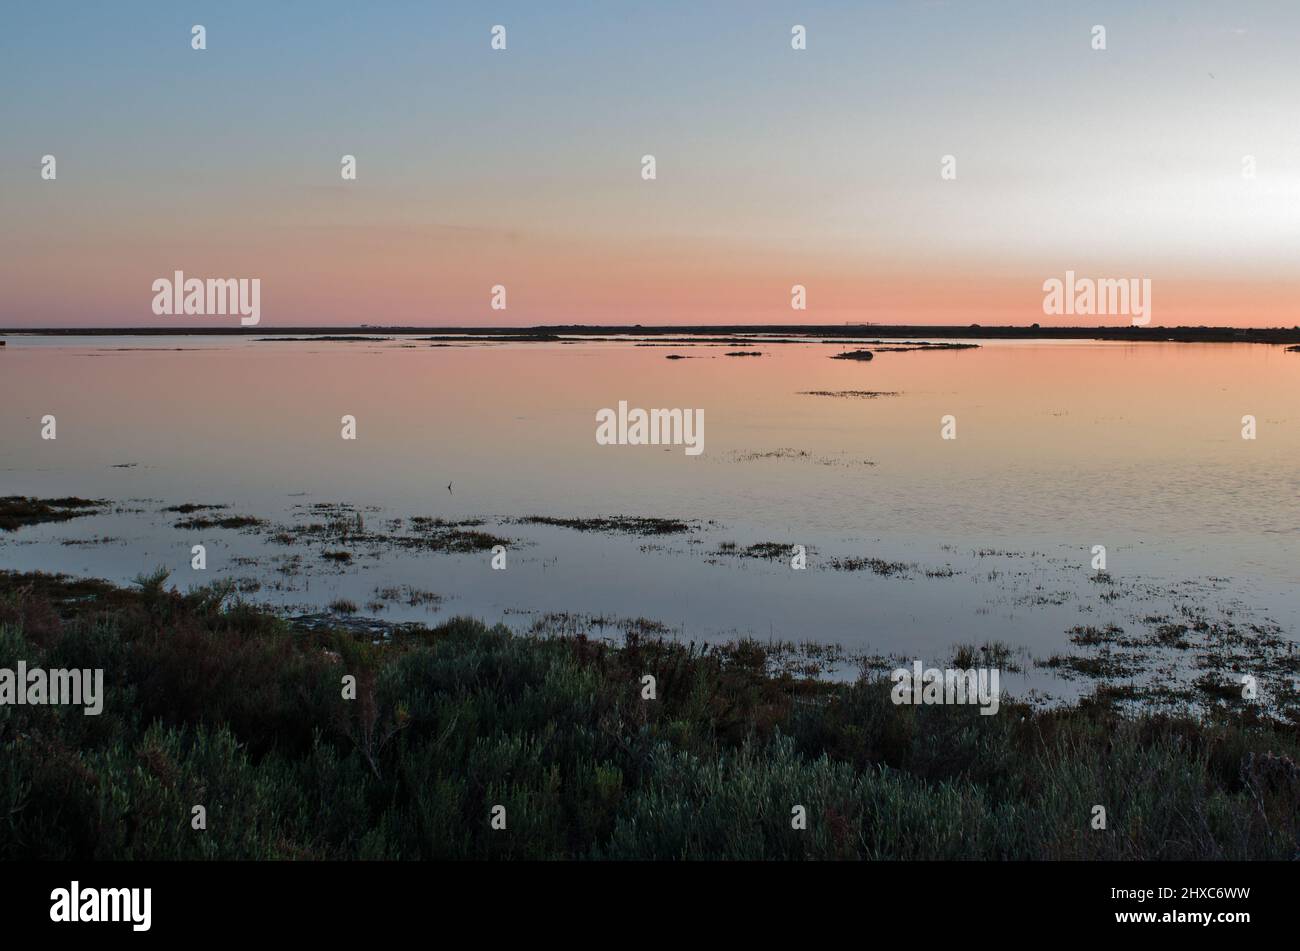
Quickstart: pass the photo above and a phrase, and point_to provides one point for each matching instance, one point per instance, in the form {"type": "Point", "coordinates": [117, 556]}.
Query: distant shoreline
{"type": "Point", "coordinates": [1272, 335]}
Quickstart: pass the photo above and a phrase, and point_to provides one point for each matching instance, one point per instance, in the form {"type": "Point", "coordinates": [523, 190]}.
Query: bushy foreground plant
{"type": "Point", "coordinates": [219, 704]}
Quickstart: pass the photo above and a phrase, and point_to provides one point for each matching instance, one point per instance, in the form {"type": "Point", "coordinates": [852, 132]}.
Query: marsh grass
{"type": "Point", "coordinates": [769, 551]}
{"type": "Point", "coordinates": [991, 654]}
{"type": "Point", "coordinates": [343, 525]}
{"type": "Point", "coordinates": [878, 566]}
{"type": "Point", "coordinates": [850, 394]}
{"type": "Point", "coordinates": [18, 511]}
{"type": "Point", "coordinates": [204, 522]}
{"type": "Point", "coordinates": [626, 524]}
{"type": "Point", "coordinates": [211, 701]}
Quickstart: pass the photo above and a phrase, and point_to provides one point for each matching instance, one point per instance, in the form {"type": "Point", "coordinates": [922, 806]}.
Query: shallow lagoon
{"type": "Point", "coordinates": [1060, 446]}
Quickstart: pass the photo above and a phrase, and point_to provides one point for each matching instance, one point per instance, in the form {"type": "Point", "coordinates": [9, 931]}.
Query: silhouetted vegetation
{"type": "Point", "coordinates": [219, 521]}
{"type": "Point", "coordinates": [627, 524]}
{"type": "Point", "coordinates": [17, 511]}
{"type": "Point", "coordinates": [211, 702]}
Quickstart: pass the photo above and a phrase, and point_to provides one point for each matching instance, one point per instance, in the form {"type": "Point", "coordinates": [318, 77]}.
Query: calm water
{"type": "Point", "coordinates": [1061, 446]}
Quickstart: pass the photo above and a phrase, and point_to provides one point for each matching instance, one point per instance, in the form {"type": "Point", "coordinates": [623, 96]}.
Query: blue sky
{"type": "Point", "coordinates": [1125, 160]}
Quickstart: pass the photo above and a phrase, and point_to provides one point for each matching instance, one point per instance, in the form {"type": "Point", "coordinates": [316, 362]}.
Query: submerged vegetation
{"type": "Point", "coordinates": [890, 569]}
{"type": "Point", "coordinates": [18, 511]}
{"type": "Point", "coordinates": [882, 346]}
{"type": "Point", "coordinates": [339, 527]}
{"type": "Point", "coordinates": [924, 345]}
{"type": "Point", "coordinates": [627, 524]}
{"type": "Point", "coordinates": [325, 338]}
{"type": "Point", "coordinates": [771, 551]}
{"type": "Point", "coordinates": [850, 394]}
{"type": "Point", "coordinates": [209, 701]}
{"type": "Point", "coordinates": [219, 521]}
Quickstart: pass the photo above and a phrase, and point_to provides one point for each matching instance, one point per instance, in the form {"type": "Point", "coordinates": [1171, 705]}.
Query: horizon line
{"type": "Point", "coordinates": [1186, 333]}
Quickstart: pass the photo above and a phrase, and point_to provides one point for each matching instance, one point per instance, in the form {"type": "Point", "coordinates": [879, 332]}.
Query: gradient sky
{"type": "Point", "coordinates": [775, 167]}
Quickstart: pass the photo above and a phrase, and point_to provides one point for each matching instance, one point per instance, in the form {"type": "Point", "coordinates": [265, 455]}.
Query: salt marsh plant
{"type": "Point", "coordinates": [210, 700]}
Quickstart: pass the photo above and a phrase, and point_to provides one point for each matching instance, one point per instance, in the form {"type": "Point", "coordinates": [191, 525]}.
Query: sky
{"type": "Point", "coordinates": [774, 166]}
